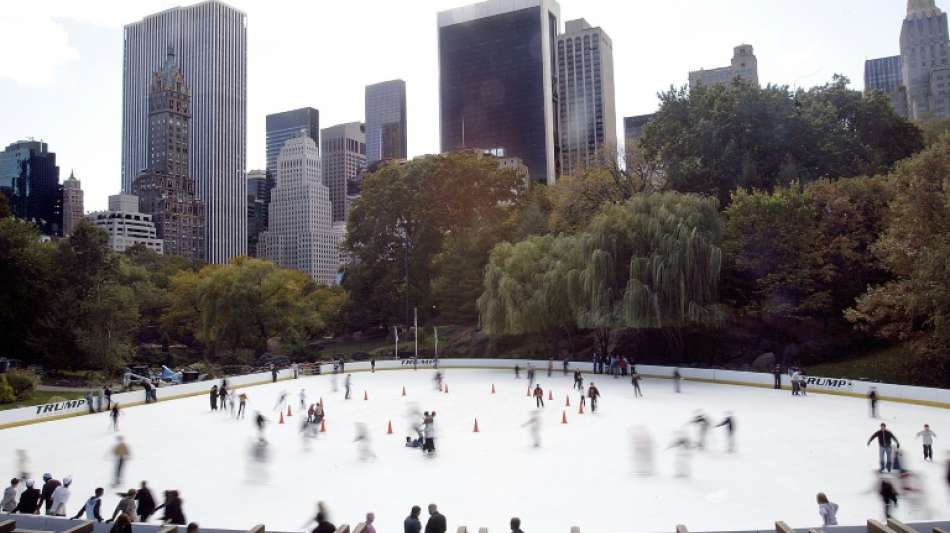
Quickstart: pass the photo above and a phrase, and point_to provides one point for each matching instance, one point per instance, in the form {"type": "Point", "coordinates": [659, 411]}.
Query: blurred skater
{"type": "Point", "coordinates": [223, 394]}
{"type": "Point", "coordinates": [593, 393]}
{"type": "Point", "coordinates": [550, 366]}
{"type": "Point", "coordinates": [437, 381]}
{"type": "Point", "coordinates": [872, 400]}
{"type": "Point", "coordinates": [121, 453]}
{"type": "Point", "coordinates": [260, 422]}
{"type": "Point", "coordinates": [114, 415]}
{"type": "Point", "coordinates": [281, 400]}
{"type": "Point", "coordinates": [22, 464]}
{"type": "Point", "coordinates": [730, 424]}
{"type": "Point", "coordinates": [928, 438]}
{"type": "Point", "coordinates": [534, 428]}
{"type": "Point", "coordinates": [827, 510]}
{"type": "Point", "coordinates": [530, 374]}
{"type": "Point", "coordinates": [347, 383]}
{"type": "Point", "coordinates": [303, 399]}
{"type": "Point", "coordinates": [702, 424]}
{"type": "Point", "coordinates": [538, 396]}
{"type": "Point", "coordinates": [888, 494]}
{"type": "Point", "coordinates": [231, 396]}
{"type": "Point", "coordinates": [912, 489]}
{"type": "Point", "coordinates": [564, 364]}
{"type": "Point", "coordinates": [517, 372]}
{"type": "Point", "coordinates": [677, 381]}
{"type": "Point", "coordinates": [578, 380]}
{"type": "Point", "coordinates": [144, 503]}
{"type": "Point", "coordinates": [242, 405]}
{"type": "Point", "coordinates": [683, 454]}
{"type": "Point", "coordinates": [429, 431]}
{"type": "Point", "coordinates": [363, 442]}
{"type": "Point", "coordinates": [214, 397]}
{"type": "Point", "coordinates": [642, 451]}
{"type": "Point", "coordinates": [777, 375]}
{"type": "Point", "coordinates": [635, 380]}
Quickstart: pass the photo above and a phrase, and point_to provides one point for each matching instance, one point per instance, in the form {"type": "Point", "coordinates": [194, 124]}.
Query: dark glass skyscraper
{"type": "Point", "coordinates": [385, 121]}
{"type": "Point", "coordinates": [882, 74]}
{"type": "Point", "coordinates": [29, 178]}
{"type": "Point", "coordinates": [497, 81]}
{"type": "Point", "coordinates": [281, 127]}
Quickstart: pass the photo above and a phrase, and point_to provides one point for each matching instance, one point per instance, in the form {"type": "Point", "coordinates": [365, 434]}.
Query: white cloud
{"type": "Point", "coordinates": [34, 49]}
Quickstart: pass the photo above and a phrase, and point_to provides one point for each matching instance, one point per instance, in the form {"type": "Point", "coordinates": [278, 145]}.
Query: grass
{"type": "Point", "coordinates": [41, 397]}
{"type": "Point", "coordinates": [895, 364]}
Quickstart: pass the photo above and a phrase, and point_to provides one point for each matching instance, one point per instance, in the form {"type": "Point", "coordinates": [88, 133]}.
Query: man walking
{"type": "Point", "coordinates": [436, 523]}
{"type": "Point", "coordinates": [884, 440]}
{"type": "Point", "coordinates": [928, 437]}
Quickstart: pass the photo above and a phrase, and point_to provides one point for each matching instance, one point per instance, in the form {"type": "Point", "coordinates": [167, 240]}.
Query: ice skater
{"type": "Point", "coordinates": [122, 454]}
{"type": "Point", "coordinates": [534, 428]}
{"type": "Point", "coordinates": [429, 430]}
{"type": "Point", "coordinates": [730, 424]}
{"type": "Point", "coordinates": [530, 374]}
{"type": "Point", "coordinates": [214, 398]}
{"type": "Point", "coordinates": [22, 464]}
{"type": "Point", "coordinates": [913, 492]}
{"type": "Point", "coordinates": [231, 396]}
{"type": "Point", "coordinates": [683, 454]}
{"type": "Point", "coordinates": [333, 378]}
{"type": "Point", "coordinates": [564, 364]}
{"type": "Point", "coordinates": [550, 366]}
{"type": "Point", "coordinates": [242, 405]}
{"type": "Point", "coordinates": [635, 381]}
{"type": "Point", "coordinates": [260, 422]}
{"type": "Point", "coordinates": [642, 451]}
{"type": "Point", "coordinates": [703, 425]}
{"type": "Point", "coordinates": [777, 376]}
{"type": "Point", "coordinates": [887, 492]}
{"type": "Point", "coordinates": [593, 393]}
{"type": "Point", "coordinates": [114, 415]}
{"type": "Point", "coordinates": [827, 510]}
{"type": "Point", "coordinates": [872, 401]}
{"type": "Point", "coordinates": [578, 380]}
{"type": "Point", "coordinates": [303, 399]}
{"type": "Point", "coordinates": [517, 372]}
{"type": "Point", "coordinates": [223, 395]}
{"type": "Point", "coordinates": [928, 438]}
{"type": "Point", "coordinates": [281, 400]}
{"type": "Point", "coordinates": [437, 380]}
{"type": "Point", "coordinates": [347, 384]}
{"type": "Point", "coordinates": [538, 396]}
{"type": "Point", "coordinates": [363, 442]}
{"type": "Point", "coordinates": [796, 382]}
{"type": "Point", "coordinates": [677, 381]}
{"type": "Point", "coordinates": [884, 441]}
{"type": "Point", "coordinates": [259, 455]}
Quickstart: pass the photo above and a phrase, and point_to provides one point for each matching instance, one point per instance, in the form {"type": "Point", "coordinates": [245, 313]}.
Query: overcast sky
{"type": "Point", "coordinates": [61, 66]}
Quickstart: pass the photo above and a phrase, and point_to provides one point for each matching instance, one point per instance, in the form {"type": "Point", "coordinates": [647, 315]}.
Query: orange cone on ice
{"type": "Point", "coordinates": [493, 388]}
{"type": "Point", "coordinates": [446, 390]}
{"type": "Point", "coordinates": [365, 395]}
{"type": "Point", "coordinates": [550, 395]}
{"type": "Point", "coordinates": [567, 401]}
{"type": "Point", "coordinates": [323, 426]}
{"type": "Point", "coordinates": [528, 394]}
{"type": "Point", "coordinates": [403, 390]}
{"type": "Point", "coordinates": [475, 430]}
{"type": "Point", "coordinates": [564, 417]}
{"type": "Point", "coordinates": [389, 430]}
{"type": "Point", "coordinates": [288, 411]}
{"type": "Point", "coordinates": [281, 418]}
{"type": "Point", "coordinates": [580, 411]}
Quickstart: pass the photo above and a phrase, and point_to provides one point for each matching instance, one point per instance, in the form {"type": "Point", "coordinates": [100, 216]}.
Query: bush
{"type": "Point", "coordinates": [22, 382]}
{"type": "Point", "coordinates": [6, 391]}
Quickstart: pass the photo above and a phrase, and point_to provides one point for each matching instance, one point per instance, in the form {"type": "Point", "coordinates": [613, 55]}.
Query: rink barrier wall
{"type": "Point", "coordinates": [816, 384]}
{"type": "Point", "coordinates": [37, 523]}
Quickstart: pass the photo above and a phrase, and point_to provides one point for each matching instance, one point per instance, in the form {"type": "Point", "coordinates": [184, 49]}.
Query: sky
{"type": "Point", "coordinates": [61, 70]}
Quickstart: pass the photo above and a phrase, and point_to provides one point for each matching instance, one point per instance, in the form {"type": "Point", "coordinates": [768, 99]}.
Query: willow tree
{"type": "Point", "coordinates": [652, 262]}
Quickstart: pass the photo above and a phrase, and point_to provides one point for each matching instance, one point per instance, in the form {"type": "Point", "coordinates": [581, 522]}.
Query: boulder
{"type": "Point", "coordinates": [764, 362]}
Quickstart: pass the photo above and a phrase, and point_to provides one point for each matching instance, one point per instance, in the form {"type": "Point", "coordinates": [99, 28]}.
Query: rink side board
{"type": "Point", "coordinates": [929, 397]}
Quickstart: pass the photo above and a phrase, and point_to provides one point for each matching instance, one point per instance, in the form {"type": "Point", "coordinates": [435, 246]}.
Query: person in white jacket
{"type": "Point", "coordinates": [61, 498]}
{"type": "Point", "coordinates": [928, 437]}
{"type": "Point", "coordinates": [9, 496]}
{"type": "Point", "coordinates": [827, 510]}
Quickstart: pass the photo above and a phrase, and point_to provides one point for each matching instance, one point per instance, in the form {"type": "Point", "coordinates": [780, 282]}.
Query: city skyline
{"type": "Point", "coordinates": [85, 49]}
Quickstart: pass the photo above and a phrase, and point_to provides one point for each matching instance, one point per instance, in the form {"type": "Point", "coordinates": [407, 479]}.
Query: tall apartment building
{"type": "Point", "coordinates": [259, 185]}
{"type": "Point", "coordinates": [587, 114]}
{"type": "Point", "coordinates": [300, 233]}
{"type": "Point", "coordinates": [925, 53]}
{"type": "Point", "coordinates": [385, 110]}
{"type": "Point", "coordinates": [744, 65]}
{"type": "Point", "coordinates": [343, 148]}
{"type": "Point", "coordinates": [286, 125]}
{"type": "Point", "coordinates": [72, 204]}
{"type": "Point", "coordinates": [165, 188]}
{"type": "Point", "coordinates": [210, 39]}
{"type": "Point", "coordinates": [884, 75]}
{"type": "Point", "coordinates": [29, 178]}
{"type": "Point", "coordinates": [633, 127]}
{"type": "Point", "coordinates": [126, 225]}
{"type": "Point", "coordinates": [498, 81]}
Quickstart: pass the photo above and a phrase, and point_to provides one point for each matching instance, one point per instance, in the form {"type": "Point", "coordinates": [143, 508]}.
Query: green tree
{"type": "Point", "coordinates": [27, 265]}
{"type": "Point", "coordinates": [5, 207]}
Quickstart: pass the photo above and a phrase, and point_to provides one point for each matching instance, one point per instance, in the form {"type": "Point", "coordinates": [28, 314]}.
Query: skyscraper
{"type": "Point", "coordinates": [588, 119]}
{"type": "Point", "coordinates": [72, 204]}
{"type": "Point", "coordinates": [259, 185]}
{"type": "Point", "coordinates": [497, 81]}
{"type": "Point", "coordinates": [633, 127]}
{"type": "Point", "coordinates": [744, 66]}
{"type": "Point", "coordinates": [126, 225]}
{"type": "Point", "coordinates": [925, 53]}
{"type": "Point", "coordinates": [299, 235]}
{"type": "Point", "coordinates": [385, 121]}
{"type": "Point", "coordinates": [884, 75]}
{"type": "Point", "coordinates": [343, 148]}
{"type": "Point", "coordinates": [286, 125]}
{"type": "Point", "coordinates": [165, 188]}
{"type": "Point", "coordinates": [210, 39]}
{"type": "Point", "coordinates": [29, 178]}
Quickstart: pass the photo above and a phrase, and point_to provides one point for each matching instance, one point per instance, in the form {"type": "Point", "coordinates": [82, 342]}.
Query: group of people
{"type": "Point", "coordinates": [893, 472]}
{"type": "Point", "coordinates": [224, 399]}
{"type": "Point", "coordinates": [424, 427]}
{"type": "Point", "coordinates": [615, 365]}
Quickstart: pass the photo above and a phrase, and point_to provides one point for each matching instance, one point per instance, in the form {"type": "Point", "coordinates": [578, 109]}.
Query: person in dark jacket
{"type": "Point", "coordinates": [30, 501]}
{"type": "Point", "coordinates": [888, 495]}
{"type": "Point", "coordinates": [123, 524]}
{"type": "Point", "coordinates": [323, 526]}
{"type": "Point", "coordinates": [214, 398]}
{"type": "Point", "coordinates": [516, 525]}
{"type": "Point", "coordinates": [412, 524]}
{"type": "Point", "coordinates": [730, 424]}
{"type": "Point", "coordinates": [144, 502]}
{"type": "Point", "coordinates": [884, 440]}
{"type": "Point", "coordinates": [49, 485]}
{"type": "Point", "coordinates": [777, 375]}
{"type": "Point", "coordinates": [107, 392]}
{"type": "Point", "coordinates": [223, 394]}
{"type": "Point", "coordinates": [173, 510]}
{"type": "Point", "coordinates": [436, 523]}
{"type": "Point", "coordinates": [872, 399]}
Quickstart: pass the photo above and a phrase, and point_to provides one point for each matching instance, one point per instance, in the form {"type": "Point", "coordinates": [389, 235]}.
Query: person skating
{"type": "Point", "coordinates": [677, 380]}
{"type": "Point", "coordinates": [436, 523]}
{"type": "Point", "coordinates": [347, 384]}
{"type": "Point", "coordinates": [777, 376]}
{"type": "Point", "coordinates": [231, 396]}
{"type": "Point", "coordinates": [60, 498]}
{"type": "Point", "coordinates": [259, 421]}
{"type": "Point", "coordinates": [888, 495]}
{"type": "Point", "coordinates": [515, 524]}
{"type": "Point", "coordinates": [126, 505]}
{"type": "Point", "coordinates": [8, 504]}
{"type": "Point", "coordinates": [802, 383]}
{"type": "Point", "coordinates": [593, 393]}
{"type": "Point", "coordinates": [428, 430]}
{"type": "Point", "coordinates": [550, 366]}
{"type": "Point", "coordinates": [174, 513]}
{"type": "Point", "coordinates": [534, 425]}
{"type": "Point", "coordinates": [303, 399]}
{"type": "Point", "coordinates": [214, 397]}
{"type": "Point", "coordinates": [49, 486]}
{"type": "Point", "coordinates": [273, 373]}
{"type": "Point", "coordinates": [517, 372]}
{"type": "Point", "coordinates": [363, 441]}
{"type": "Point", "coordinates": [30, 501]}
{"type": "Point", "coordinates": [89, 404]}
{"type": "Point", "coordinates": [703, 424]}
{"type": "Point", "coordinates": [412, 524]}
{"type": "Point", "coordinates": [323, 525]}
{"type": "Point", "coordinates": [578, 380]}
{"type": "Point", "coordinates": [372, 365]}
{"type": "Point", "coordinates": [370, 519]}
{"type": "Point", "coordinates": [281, 400]}
{"type": "Point", "coordinates": [121, 453]}
{"type": "Point", "coordinates": [92, 507]}
{"type": "Point", "coordinates": [682, 445]}
{"type": "Point", "coordinates": [565, 364]}
{"type": "Point", "coordinates": [872, 400]}
{"type": "Point", "coordinates": [884, 440]}
{"type": "Point", "coordinates": [108, 394]}
{"type": "Point", "coordinates": [796, 382]}
{"type": "Point", "coordinates": [114, 415]}
{"type": "Point", "coordinates": [144, 503]}
{"type": "Point", "coordinates": [635, 380]}
{"type": "Point", "coordinates": [730, 424]}
{"type": "Point", "coordinates": [242, 404]}
{"type": "Point", "coordinates": [827, 510]}
{"type": "Point", "coordinates": [223, 394]}
{"type": "Point", "coordinates": [530, 374]}
{"type": "Point", "coordinates": [928, 438]}
{"type": "Point", "coordinates": [538, 396]}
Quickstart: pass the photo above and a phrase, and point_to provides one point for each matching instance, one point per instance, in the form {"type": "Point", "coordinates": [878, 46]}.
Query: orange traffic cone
{"type": "Point", "coordinates": [446, 390]}
{"type": "Point", "coordinates": [475, 430]}
{"type": "Point", "coordinates": [550, 395]}
{"type": "Point", "coordinates": [403, 390]}
{"type": "Point", "coordinates": [564, 417]}
{"type": "Point", "coordinates": [365, 395]}
{"type": "Point", "coordinates": [288, 411]}
{"type": "Point", "coordinates": [529, 392]}
{"type": "Point", "coordinates": [389, 430]}
{"type": "Point", "coordinates": [580, 411]}
{"type": "Point", "coordinates": [323, 426]}
{"type": "Point", "coordinates": [493, 388]}
{"type": "Point", "coordinates": [281, 418]}
{"type": "Point", "coordinates": [567, 401]}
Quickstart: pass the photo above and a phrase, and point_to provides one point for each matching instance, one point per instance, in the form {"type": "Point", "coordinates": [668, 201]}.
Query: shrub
{"type": "Point", "coordinates": [23, 382]}
{"type": "Point", "coordinates": [6, 391]}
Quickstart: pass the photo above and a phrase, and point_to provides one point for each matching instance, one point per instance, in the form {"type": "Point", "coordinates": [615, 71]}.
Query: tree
{"type": "Point", "coordinates": [5, 207]}
{"type": "Point", "coordinates": [915, 305]}
{"type": "Point", "coordinates": [26, 264]}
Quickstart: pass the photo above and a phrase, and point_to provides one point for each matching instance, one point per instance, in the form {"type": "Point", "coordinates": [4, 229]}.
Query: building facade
{"type": "Point", "coordinates": [884, 75]}
{"type": "Point", "coordinates": [633, 127]}
{"type": "Point", "coordinates": [925, 60]}
{"type": "Point", "coordinates": [343, 150]}
{"type": "Point", "coordinates": [300, 234]}
{"type": "Point", "coordinates": [29, 178]}
{"type": "Point", "coordinates": [165, 189]}
{"type": "Point", "coordinates": [587, 112]}
{"type": "Point", "coordinates": [385, 110]}
{"type": "Point", "coordinates": [72, 204]}
{"type": "Point", "coordinates": [259, 185]}
{"type": "Point", "coordinates": [498, 81]}
{"type": "Point", "coordinates": [283, 126]}
{"type": "Point", "coordinates": [210, 39]}
{"type": "Point", "coordinates": [744, 66]}
{"type": "Point", "coordinates": [125, 225]}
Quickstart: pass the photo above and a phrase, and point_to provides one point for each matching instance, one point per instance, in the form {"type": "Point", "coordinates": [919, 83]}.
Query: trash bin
{"type": "Point", "coordinates": [189, 376]}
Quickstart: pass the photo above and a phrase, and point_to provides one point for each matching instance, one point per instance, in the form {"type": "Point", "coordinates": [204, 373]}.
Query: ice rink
{"type": "Point", "coordinates": [583, 474]}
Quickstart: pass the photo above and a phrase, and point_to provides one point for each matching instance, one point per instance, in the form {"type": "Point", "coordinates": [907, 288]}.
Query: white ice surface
{"type": "Point", "coordinates": [788, 450]}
